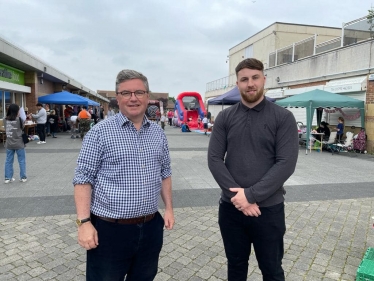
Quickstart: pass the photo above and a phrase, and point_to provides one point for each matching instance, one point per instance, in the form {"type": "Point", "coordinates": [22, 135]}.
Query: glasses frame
{"type": "Point", "coordinates": [128, 94]}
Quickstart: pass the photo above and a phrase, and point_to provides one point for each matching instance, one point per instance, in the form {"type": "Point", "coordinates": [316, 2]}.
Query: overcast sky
{"type": "Point", "coordinates": [179, 45]}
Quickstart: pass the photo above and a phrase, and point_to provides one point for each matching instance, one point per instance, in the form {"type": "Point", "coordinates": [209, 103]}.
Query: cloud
{"type": "Point", "coordinates": [180, 45]}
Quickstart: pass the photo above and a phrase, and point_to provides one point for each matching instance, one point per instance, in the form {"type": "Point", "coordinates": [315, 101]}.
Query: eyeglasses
{"type": "Point", "coordinates": [127, 94]}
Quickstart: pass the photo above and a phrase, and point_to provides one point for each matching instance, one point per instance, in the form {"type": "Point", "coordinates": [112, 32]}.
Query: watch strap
{"type": "Point", "coordinates": [82, 221]}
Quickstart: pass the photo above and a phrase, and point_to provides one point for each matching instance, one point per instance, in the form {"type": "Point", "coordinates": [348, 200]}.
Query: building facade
{"type": "Point", "coordinates": [342, 65]}
{"type": "Point", "coordinates": [24, 78]}
{"type": "Point", "coordinates": [262, 45]}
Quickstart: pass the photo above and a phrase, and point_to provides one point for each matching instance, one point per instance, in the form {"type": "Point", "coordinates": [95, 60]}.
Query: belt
{"type": "Point", "coordinates": [137, 220]}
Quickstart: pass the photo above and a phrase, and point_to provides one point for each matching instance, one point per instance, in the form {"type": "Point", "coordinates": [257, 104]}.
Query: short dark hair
{"type": "Point", "coordinates": [250, 63]}
{"type": "Point", "coordinates": [39, 104]}
{"type": "Point", "coordinates": [128, 74]}
{"type": "Point", "coordinates": [84, 107]}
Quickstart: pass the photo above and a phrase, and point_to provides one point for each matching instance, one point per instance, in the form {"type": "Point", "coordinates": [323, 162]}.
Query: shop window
{"type": "Point", "coordinates": [18, 99]}
{"type": "Point", "coordinates": [7, 101]}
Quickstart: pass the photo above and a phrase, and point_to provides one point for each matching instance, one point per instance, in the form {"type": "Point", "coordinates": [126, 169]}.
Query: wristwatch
{"type": "Point", "coordinates": [80, 222]}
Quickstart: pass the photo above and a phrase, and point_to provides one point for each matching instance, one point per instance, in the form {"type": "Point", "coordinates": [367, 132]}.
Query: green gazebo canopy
{"type": "Point", "coordinates": [321, 99]}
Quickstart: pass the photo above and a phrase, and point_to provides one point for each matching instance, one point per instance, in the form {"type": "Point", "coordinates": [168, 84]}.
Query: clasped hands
{"type": "Point", "coordinates": [241, 203]}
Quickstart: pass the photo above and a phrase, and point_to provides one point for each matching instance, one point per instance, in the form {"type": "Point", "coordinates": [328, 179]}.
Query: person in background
{"type": "Point", "coordinates": [110, 112]}
{"type": "Point", "coordinates": [324, 129]}
{"type": "Point", "coordinates": [28, 117]}
{"type": "Point", "coordinates": [84, 119]}
{"type": "Point", "coordinates": [185, 128]}
{"type": "Point", "coordinates": [14, 144]}
{"type": "Point", "coordinates": [170, 117]}
{"type": "Point", "coordinates": [74, 127]}
{"type": "Point", "coordinates": [158, 116]}
{"type": "Point", "coordinates": [252, 151]}
{"type": "Point", "coordinates": [93, 114]}
{"type": "Point", "coordinates": [41, 119]}
{"type": "Point", "coordinates": [101, 112]}
{"type": "Point", "coordinates": [163, 120]}
{"type": "Point", "coordinates": [199, 122]}
{"type": "Point", "coordinates": [68, 112]}
{"type": "Point", "coordinates": [205, 124]}
{"type": "Point", "coordinates": [53, 123]}
{"type": "Point", "coordinates": [340, 129]}
{"type": "Point", "coordinates": [116, 198]}
{"type": "Point", "coordinates": [47, 125]}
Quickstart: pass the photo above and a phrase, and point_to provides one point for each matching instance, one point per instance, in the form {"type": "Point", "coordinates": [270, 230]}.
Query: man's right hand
{"type": "Point", "coordinates": [252, 210]}
{"type": "Point", "coordinates": [87, 236]}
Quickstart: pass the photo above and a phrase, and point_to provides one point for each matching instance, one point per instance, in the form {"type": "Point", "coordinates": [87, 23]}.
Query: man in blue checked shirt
{"type": "Point", "coordinates": [122, 168]}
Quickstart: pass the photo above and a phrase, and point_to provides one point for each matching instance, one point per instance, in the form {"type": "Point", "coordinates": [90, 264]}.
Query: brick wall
{"type": "Point", "coordinates": [310, 84]}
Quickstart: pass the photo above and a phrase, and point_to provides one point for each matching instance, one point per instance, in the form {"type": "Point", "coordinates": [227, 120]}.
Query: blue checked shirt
{"type": "Point", "coordinates": [125, 167]}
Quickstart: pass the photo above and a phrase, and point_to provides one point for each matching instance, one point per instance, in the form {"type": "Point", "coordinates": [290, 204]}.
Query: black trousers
{"type": "Point", "coordinates": [125, 250]}
{"type": "Point", "coordinates": [40, 129]}
{"type": "Point", "coordinates": [264, 232]}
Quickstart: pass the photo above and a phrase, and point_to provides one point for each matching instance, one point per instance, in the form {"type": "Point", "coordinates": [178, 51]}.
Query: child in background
{"type": "Point", "coordinates": [198, 122]}
{"type": "Point", "coordinates": [163, 120]}
{"type": "Point", "coordinates": [52, 119]}
{"type": "Point", "coordinates": [205, 123]}
{"type": "Point", "coordinates": [340, 129]}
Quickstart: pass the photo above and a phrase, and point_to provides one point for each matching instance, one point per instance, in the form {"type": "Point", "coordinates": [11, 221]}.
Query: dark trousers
{"type": "Point", "coordinates": [40, 129]}
{"type": "Point", "coordinates": [130, 250]}
{"type": "Point", "coordinates": [170, 121]}
{"type": "Point", "coordinates": [264, 232]}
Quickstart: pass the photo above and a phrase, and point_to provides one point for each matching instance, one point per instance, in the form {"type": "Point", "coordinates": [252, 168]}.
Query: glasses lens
{"type": "Point", "coordinates": [125, 94]}
{"type": "Point", "coordinates": [139, 93]}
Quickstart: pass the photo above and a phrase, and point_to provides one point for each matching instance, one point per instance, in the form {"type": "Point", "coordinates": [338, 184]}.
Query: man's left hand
{"type": "Point", "coordinates": [169, 219]}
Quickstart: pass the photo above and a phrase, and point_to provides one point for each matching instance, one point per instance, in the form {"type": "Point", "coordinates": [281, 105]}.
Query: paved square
{"type": "Point", "coordinates": [329, 205]}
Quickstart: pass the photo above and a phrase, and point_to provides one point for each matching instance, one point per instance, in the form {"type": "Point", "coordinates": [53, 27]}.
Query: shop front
{"type": "Point", "coordinates": [12, 88]}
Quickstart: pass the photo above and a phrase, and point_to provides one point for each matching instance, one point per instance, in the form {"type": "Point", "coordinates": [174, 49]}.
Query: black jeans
{"type": "Point", "coordinates": [130, 250]}
{"type": "Point", "coordinates": [40, 129]}
{"type": "Point", "coordinates": [264, 232]}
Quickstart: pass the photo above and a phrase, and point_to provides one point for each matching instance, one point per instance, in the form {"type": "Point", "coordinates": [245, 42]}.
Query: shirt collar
{"type": "Point", "coordinates": [257, 108]}
{"type": "Point", "coordinates": [124, 120]}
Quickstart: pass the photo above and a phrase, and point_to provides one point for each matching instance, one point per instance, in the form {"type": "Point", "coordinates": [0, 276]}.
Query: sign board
{"type": "Point", "coordinates": [343, 88]}
{"type": "Point", "coordinates": [11, 75]}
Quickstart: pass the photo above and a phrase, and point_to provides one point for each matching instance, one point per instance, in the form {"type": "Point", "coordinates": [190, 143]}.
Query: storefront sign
{"type": "Point", "coordinates": [343, 88]}
{"type": "Point", "coordinates": [11, 75]}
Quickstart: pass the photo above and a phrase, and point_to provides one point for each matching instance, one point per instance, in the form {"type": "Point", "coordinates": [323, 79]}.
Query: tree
{"type": "Point", "coordinates": [172, 99]}
{"type": "Point", "coordinates": [370, 20]}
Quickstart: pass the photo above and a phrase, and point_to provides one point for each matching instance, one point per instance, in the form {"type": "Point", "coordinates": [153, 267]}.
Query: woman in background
{"type": "Point", "coordinates": [14, 144]}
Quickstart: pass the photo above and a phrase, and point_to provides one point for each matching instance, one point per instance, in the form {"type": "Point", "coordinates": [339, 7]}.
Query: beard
{"type": "Point", "coordinates": [252, 98]}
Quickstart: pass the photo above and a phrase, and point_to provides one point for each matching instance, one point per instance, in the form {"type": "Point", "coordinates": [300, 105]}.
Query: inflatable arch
{"type": "Point", "coordinates": [189, 106]}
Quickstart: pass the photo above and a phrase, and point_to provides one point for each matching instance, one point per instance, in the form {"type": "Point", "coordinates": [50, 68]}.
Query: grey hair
{"type": "Point", "coordinates": [128, 74]}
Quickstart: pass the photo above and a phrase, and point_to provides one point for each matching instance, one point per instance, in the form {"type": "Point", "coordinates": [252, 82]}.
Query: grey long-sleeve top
{"type": "Point", "coordinates": [255, 149]}
{"type": "Point", "coordinates": [41, 116]}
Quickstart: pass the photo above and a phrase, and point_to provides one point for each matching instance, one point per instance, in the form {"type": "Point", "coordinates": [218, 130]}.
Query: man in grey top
{"type": "Point", "coordinates": [41, 119]}
{"type": "Point", "coordinates": [252, 151]}
{"type": "Point", "coordinates": [110, 112]}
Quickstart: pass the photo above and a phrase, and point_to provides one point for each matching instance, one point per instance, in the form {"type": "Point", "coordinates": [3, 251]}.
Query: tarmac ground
{"type": "Point", "coordinates": [329, 209]}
